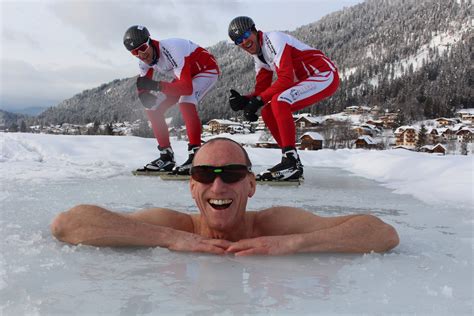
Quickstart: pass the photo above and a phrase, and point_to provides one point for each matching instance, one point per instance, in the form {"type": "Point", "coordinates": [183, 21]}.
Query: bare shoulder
{"type": "Point", "coordinates": [284, 220]}
{"type": "Point", "coordinates": [164, 217]}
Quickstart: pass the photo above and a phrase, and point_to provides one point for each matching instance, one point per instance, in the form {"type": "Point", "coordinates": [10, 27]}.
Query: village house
{"type": "Point", "coordinates": [362, 131]}
{"type": "Point", "coordinates": [365, 142]}
{"type": "Point", "coordinates": [307, 122]}
{"type": "Point", "coordinates": [447, 133]}
{"type": "Point", "coordinates": [376, 123]}
{"type": "Point", "coordinates": [434, 149]}
{"type": "Point", "coordinates": [464, 134]}
{"type": "Point", "coordinates": [406, 136]}
{"type": "Point", "coordinates": [466, 116]}
{"type": "Point", "coordinates": [311, 141]}
{"type": "Point", "coordinates": [434, 136]}
{"type": "Point", "coordinates": [217, 126]}
{"type": "Point", "coordinates": [442, 121]}
{"type": "Point", "coordinates": [351, 109]}
{"type": "Point", "coordinates": [357, 109]}
{"type": "Point", "coordinates": [389, 120]}
{"type": "Point", "coordinates": [366, 129]}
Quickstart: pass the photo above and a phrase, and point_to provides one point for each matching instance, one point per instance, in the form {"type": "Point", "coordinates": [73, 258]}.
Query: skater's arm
{"type": "Point", "coordinates": [96, 226]}
{"type": "Point", "coordinates": [286, 230]}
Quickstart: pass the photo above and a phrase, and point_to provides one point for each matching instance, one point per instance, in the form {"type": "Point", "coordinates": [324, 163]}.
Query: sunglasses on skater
{"type": "Point", "coordinates": [228, 173]}
{"type": "Point", "coordinates": [243, 37]}
{"type": "Point", "coordinates": [143, 47]}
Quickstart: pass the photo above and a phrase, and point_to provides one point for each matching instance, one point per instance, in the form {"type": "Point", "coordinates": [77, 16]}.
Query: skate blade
{"type": "Point", "coordinates": [148, 173]}
{"type": "Point", "coordinates": [281, 182]}
{"type": "Point", "coordinates": [174, 177]}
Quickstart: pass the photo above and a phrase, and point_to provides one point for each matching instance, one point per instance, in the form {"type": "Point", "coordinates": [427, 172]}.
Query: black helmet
{"type": "Point", "coordinates": [135, 36]}
{"type": "Point", "coordinates": [239, 26]}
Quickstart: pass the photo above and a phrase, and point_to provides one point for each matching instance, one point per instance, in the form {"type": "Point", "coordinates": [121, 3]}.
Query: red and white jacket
{"type": "Point", "coordinates": [292, 61]}
{"type": "Point", "coordinates": [183, 60]}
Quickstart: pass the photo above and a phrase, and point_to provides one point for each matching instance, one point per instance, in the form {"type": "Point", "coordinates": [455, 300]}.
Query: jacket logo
{"type": "Point", "coordinates": [294, 94]}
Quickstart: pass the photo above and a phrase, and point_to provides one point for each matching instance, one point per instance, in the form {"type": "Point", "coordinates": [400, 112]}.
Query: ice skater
{"type": "Point", "coordinates": [304, 76]}
{"type": "Point", "coordinates": [195, 71]}
{"type": "Point", "coordinates": [221, 184]}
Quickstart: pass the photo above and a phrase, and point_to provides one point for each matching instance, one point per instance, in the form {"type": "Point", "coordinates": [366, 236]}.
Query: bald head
{"type": "Point", "coordinates": [226, 150]}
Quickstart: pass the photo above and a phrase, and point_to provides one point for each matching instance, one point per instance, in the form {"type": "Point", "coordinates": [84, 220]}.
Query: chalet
{"type": "Point", "coordinates": [307, 122]}
{"type": "Point", "coordinates": [466, 115]}
{"type": "Point", "coordinates": [447, 133]}
{"type": "Point", "coordinates": [361, 130]}
{"type": "Point", "coordinates": [436, 149]}
{"type": "Point", "coordinates": [442, 121]}
{"type": "Point", "coordinates": [465, 134]}
{"type": "Point", "coordinates": [365, 142]}
{"type": "Point", "coordinates": [352, 109]}
{"type": "Point", "coordinates": [217, 126]}
{"type": "Point", "coordinates": [311, 141]}
{"type": "Point", "coordinates": [439, 149]}
{"type": "Point", "coordinates": [434, 135]}
{"type": "Point", "coordinates": [357, 109]}
{"type": "Point", "coordinates": [376, 123]}
{"type": "Point", "coordinates": [404, 147]}
{"type": "Point", "coordinates": [406, 136]}
{"type": "Point", "coordinates": [389, 119]}
{"type": "Point", "coordinates": [367, 129]}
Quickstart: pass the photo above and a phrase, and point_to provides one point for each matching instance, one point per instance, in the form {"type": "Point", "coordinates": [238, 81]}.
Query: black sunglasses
{"type": "Point", "coordinates": [228, 173]}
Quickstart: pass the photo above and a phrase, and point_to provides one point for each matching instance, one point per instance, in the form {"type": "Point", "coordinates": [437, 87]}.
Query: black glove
{"type": "Point", "coordinates": [251, 117]}
{"type": "Point", "coordinates": [148, 100]}
{"type": "Point", "coordinates": [144, 83]}
{"type": "Point", "coordinates": [252, 107]}
{"type": "Point", "coordinates": [237, 101]}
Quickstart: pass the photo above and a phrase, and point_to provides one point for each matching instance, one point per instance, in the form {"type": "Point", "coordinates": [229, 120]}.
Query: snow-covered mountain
{"type": "Point", "coordinates": [397, 54]}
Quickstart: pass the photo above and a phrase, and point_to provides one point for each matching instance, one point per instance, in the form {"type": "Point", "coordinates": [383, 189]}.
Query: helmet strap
{"type": "Point", "coordinates": [155, 53]}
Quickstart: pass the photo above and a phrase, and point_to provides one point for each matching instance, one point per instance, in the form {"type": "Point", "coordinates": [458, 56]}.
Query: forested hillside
{"type": "Point", "coordinates": [396, 54]}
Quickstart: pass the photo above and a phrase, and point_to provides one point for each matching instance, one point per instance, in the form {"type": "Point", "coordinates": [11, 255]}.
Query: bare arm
{"type": "Point", "coordinates": [96, 226]}
{"type": "Point", "coordinates": [290, 230]}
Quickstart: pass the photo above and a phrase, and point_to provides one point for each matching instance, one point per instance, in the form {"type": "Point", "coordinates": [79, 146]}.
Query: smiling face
{"type": "Point", "coordinates": [222, 205]}
{"type": "Point", "coordinates": [251, 45]}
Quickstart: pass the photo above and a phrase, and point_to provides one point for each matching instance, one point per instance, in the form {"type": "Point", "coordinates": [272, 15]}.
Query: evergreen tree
{"type": "Point", "coordinates": [422, 137]}
{"type": "Point", "coordinates": [23, 127]}
{"type": "Point", "coordinates": [143, 130]}
{"type": "Point", "coordinates": [370, 44]}
{"type": "Point", "coordinates": [13, 128]}
{"type": "Point", "coordinates": [109, 129]}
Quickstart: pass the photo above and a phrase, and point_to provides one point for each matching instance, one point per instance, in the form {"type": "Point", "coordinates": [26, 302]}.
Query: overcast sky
{"type": "Point", "coordinates": [52, 50]}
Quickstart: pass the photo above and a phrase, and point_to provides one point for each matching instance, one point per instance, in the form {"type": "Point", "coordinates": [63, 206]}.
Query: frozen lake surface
{"type": "Point", "coordinates": [429, 273]}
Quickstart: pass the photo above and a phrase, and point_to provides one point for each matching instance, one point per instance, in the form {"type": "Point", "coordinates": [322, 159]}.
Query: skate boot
{"type": "Point", "coordinates": [185, 168]}
{"type": "Point", "coordinates": [289, 169]}
{"type": "Point", "coordinates": [162, 164]}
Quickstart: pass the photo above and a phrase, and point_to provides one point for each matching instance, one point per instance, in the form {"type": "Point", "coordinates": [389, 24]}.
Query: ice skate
{"type": "Point", "coordinates": [289, 169]}
{"type": "Point", "coordinates": [185, 168]}
{"type": "Point", "coordinates": [165, 163]}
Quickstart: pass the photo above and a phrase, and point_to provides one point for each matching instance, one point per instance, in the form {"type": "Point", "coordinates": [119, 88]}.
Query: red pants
{"type": "Point", "coordinates": [277, 114]}
{"type": "Point", "coordinates": [190, 117]}
{"type": "Point", "coordinates": [202, 84]}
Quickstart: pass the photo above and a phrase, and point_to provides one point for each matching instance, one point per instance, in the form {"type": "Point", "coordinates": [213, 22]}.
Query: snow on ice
{"type": "Point", "coordinates": [427, 198]}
